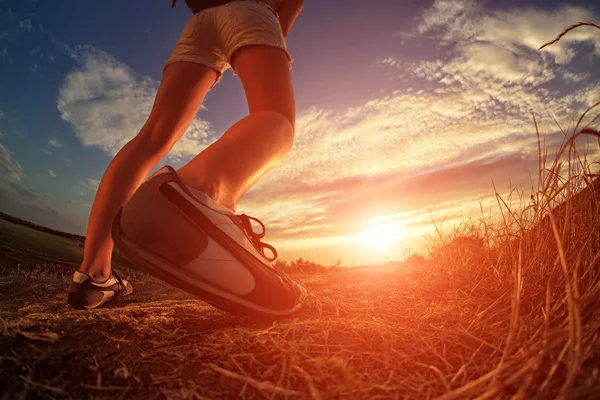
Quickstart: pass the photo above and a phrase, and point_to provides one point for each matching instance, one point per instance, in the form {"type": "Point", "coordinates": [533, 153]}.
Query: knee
{"type": "Point", "coordinates": [277, 123]}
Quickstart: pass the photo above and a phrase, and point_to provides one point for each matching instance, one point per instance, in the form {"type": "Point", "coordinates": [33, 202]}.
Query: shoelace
{"type": "Point", "coordinates": [122, 285]}
{"type": "Point", "coordinates": [255, 237]}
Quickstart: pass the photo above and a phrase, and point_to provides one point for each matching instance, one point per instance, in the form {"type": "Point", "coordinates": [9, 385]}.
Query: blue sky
{"type": "Point", "coordinates": [404, 108]}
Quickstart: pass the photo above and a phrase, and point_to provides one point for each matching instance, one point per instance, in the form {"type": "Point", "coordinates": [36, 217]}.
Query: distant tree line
{"type": "Point", "coordinates": [301, 266]}
{"type": "Point", "coordinates": [31, 225]}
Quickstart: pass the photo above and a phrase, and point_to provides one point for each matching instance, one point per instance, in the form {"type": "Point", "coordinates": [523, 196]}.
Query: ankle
{"type": "Point", "coordinates": [213, 189]}
{"type": "Point", "coordinates": [97, 274]}
{"type": "Point", "coordinates": [218, 197]}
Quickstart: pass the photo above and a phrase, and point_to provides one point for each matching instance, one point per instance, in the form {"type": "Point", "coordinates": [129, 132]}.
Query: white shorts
{"type": "Point", "coordinates": [213, 35]}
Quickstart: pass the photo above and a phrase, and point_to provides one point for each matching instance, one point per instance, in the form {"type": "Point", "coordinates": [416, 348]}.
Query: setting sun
{"type": "Point", "coordinates": [381, 236]}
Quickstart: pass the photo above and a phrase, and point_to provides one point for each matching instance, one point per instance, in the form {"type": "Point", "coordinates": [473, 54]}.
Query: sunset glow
{"type": "Point", "coordinates": [381, 236]}
{"type": "Point", "coordinates": [431, 104]}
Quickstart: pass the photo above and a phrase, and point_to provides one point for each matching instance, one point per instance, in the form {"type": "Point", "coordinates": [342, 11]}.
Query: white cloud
{"type": "Point", "coordinates": [25, 24]}
{"type": "Point", "coordinates": [51, 173]}
{"type": "Point", "coordinates": [468, 111]}
{"type": "Point", "coordinates": [453, 17]}
{"type": "Point", "coordinates": [2, 115]}
{"type": "Point", "coordinates": [107, 104]}
{"type": "Point", "coordinates": [573, 77]}
{"type": "Point", "coordinates": [82, 193]}
{"type": "Point", "coordinates": [533, 28]}
{"type": "Point", "coordinates": [519, 30]}
{"type": "Point", "coordinates": [45, 151]}
{"type": "Point", "coordinates": [79, 203]}
{"type": "Point", "coordinates": [11, 168]}
{"type": "Point", "coordinates": [37, 50]}
{"type": "Point", "coordinates": [91, 183]}
{"type": "Point", "coordinates": [54, 143]}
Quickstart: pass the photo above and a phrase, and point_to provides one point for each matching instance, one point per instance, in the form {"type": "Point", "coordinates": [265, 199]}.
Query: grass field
{"type": "Point", "coordinates": [40, 242]}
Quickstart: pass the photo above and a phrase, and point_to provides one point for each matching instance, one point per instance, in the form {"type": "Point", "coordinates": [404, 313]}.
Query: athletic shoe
{"type": "Point", "coordinates": [85, 293]}
{"type": "Point", "coordinates": [186, 239]}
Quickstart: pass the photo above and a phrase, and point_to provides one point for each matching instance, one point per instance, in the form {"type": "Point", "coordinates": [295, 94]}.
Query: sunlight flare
{"type": "Point", "coordinates": [381, 236]}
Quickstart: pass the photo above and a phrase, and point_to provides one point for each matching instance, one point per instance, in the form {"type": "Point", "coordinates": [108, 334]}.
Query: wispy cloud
{"type": "Point", "coordinates": [45, 151]}
{"type": "Point", "coordinates": [2, 115]}
{"type": "Point", "coordinates": [23, 202]}
{"type": "Point", "coordinates": [54, 143]}
{"type": "Point", "coordinates": [11, 168]}
{"type": "Point", "coordinates": [25, 24]}
{"type": "Point", "coordinates": [107, 104]}
{"type": "Point", "coordinates": [51, 173]}
{"type": "Point", "coordinates": [36, 51]}
{"type": "Point", "coordinates": [467, 22]}
{"type": "Point", "coordinates": [90, 183]}
{"type": "Point", "coordinates": [80, 203]}
{"type": "Point", "coordinates": [462, 121]}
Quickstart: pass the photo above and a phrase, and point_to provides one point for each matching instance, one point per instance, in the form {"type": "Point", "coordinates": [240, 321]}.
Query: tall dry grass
{"type": "Point", "coordinates": [539, 255]}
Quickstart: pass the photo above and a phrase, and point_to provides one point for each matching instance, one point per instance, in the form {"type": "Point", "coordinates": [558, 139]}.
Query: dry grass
{"type": "Point", "coordinates": [544, 252]}
{"type": "Point", "coordinates": [504, 307]}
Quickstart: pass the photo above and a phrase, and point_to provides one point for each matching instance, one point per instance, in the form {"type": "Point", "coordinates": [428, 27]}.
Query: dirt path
{"type": "Point", "coordinates": [364, 334]}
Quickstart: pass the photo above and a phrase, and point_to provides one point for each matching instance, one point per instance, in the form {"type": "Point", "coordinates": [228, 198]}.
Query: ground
{"type": "Point", "coordinates": [353, 340]}
{"type": "Point", "coordinates": [382, 332]}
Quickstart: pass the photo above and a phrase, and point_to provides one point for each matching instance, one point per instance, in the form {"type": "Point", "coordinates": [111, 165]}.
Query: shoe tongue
{"type": "Point", "coordinates": [80, 277]}
{"type": "Point", "coordinates": [162, 170]}
{"type": "Point", "coordinates": [210, 202]}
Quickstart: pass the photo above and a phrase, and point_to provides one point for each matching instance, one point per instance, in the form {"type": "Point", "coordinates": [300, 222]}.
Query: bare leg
{"type": "Point", "coordinates": [228, 168]}
{"type": "Point", "coordinates": [179, 97]}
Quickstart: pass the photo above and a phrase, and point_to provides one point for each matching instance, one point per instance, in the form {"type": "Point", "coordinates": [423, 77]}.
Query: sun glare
{"type": "Point", "coordinates": [381, 236]}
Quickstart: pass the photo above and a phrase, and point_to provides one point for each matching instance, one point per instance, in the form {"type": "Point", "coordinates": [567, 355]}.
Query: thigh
{"type": "Point", "coordinates": [254, 45]}
{"type": "Point", "coordinates": [265, 75]}
{"type": "Point", "coordinates": [180, 96]}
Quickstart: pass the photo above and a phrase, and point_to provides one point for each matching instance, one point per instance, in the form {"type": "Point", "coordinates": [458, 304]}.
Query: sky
{"type": "Point", "coordinates": [408, 112]}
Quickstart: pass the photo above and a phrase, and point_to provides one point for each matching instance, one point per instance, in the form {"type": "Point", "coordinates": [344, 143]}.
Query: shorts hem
{"type": "Point", "coordinates": [258, 43]}
{"type": "Point", "coordinates": [195, 61]}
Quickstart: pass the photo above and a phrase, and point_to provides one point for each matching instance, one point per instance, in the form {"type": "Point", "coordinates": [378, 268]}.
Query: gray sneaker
{"type": "Point", "coordinates": [85, 293]}
{"type": "Point", "coordinates": [186, 239]}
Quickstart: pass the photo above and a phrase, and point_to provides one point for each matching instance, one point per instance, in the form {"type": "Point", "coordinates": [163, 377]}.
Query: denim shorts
{"type": "Point", "coordinates": [212, 36]}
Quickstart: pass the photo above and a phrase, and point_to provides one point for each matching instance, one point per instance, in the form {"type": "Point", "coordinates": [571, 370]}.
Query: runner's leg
{"type": "Point", "coordinates": [179, 97]}
{"type": "Point", "coordinates": [228, 168]}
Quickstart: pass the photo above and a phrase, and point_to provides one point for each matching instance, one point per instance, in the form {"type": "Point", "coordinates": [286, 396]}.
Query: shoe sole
{"type": "Point", "coordinates": [172, 274]}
